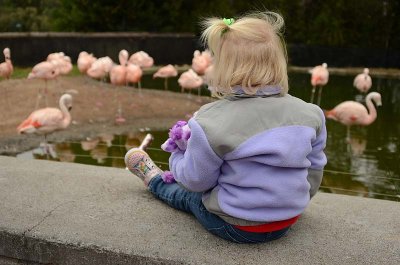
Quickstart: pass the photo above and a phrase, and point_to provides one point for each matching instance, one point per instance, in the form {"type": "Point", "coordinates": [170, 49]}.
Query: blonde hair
{"type": "Point", "coordinates": [250, 52]}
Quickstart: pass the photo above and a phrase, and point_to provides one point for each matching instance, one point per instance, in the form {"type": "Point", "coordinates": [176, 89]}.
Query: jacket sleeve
{"type": "Point", "coordinates": [198, 168]}
{"type": "Point", "coordinates": [318, 159]}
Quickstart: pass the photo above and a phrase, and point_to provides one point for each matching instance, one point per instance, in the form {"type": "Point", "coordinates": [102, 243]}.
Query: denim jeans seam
{"type": "Point", "coordinates": [216, 228]}
{"type": "Point", "coordinates": [227, 233]}
{"type": "Point", "coordinates": [242, 236]}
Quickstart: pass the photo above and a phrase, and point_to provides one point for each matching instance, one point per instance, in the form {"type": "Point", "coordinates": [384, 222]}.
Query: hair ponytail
{"type": "Point", "coordinates": [249, 52]}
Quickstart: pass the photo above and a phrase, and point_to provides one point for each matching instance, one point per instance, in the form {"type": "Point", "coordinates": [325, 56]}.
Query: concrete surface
{"type": "Point", "coordinates": [61, 213]}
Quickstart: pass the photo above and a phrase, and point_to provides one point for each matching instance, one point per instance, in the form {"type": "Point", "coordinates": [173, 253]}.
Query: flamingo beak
{"type": "Point", "coordinates": [379, 104]}
{"type": "Point", "coordinates": [69, 108]}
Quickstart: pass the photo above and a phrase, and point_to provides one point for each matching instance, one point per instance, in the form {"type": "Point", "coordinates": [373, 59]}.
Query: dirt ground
{"type": "Point", "coordinates": [94, 109]}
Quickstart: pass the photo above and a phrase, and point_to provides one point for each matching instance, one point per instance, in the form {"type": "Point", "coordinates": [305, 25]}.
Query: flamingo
{"type": "Point", "coordinates": [190, 80]}
{"type": "Point", "coordinates": [118, 72]}
{"type": "Point", "coordinates": [118, 77]}
{"type": "Point", "coordinates": [62, 62]}
{"type": "Point", "coordinates": [363, 82]}
{"type": "Point", "coordinates": [100, 68]}
{"type": "Point", "coordinates": [85, 60]}
{"type": "Point", "coordinates": [47, 120]}
{"type": "Point", "coordinates": [142, 59]}
{"type": "Point", "coordinates": [319, 77]}
{"type": "Point", "coordinates": [353, 113]}
{"type": "Point", "coordinates": [55, 56]}
{"type": "Point", "coordinates": [166, 72]}
{"type": "Point", "coordinates": [45, 71]}
{"type": "Point", "coordinates": [6, 68]}
{"type": "Point", "coordinates": [201, 61]}
{"type": "Point", "coordinates": [65, 65]}
{"type": "Point", "coordinates": [134, 74]}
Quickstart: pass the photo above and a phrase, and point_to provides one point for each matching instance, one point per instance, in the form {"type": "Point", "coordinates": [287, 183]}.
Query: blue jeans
{"type": "Point", "coordinates": [190, 202]}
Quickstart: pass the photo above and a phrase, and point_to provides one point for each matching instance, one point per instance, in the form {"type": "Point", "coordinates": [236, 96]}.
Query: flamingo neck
{"type": "Point", "coordinates": [66, 115]}
{"type": "Point", "coordinates": [371, 111]}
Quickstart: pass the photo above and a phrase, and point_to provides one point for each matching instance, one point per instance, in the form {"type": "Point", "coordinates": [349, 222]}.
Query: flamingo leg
{"type": "Point", "coordinates": [46, 147]}
{"type": "Point", "coordinates": [140, 88]}
{"type": "Point", "coordinates": [6, 97]}
{"type": "Point", "coordinates": [45, 92]}
{"type": "Point", "coordinates": [312, 94]}
{"type": "Point", "coordinates": [348, 134]}
{"type": "Point", "coordinates": [39, 96]}
{"type": "Point", "coordinates": [166, 83]}
{"type": "Point", "coordinates": [319, 95]}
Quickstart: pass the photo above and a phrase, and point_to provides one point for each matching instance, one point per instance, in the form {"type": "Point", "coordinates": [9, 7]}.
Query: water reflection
{"type": "Point", "coordinates": [367, 164]}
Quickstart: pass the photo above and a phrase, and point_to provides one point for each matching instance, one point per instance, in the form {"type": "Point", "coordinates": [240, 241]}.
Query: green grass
{"type": "Point", "coordinates": [22, 72]}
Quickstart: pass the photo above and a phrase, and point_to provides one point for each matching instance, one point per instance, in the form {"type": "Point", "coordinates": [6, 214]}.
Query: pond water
{"type": "Point", "coordinates": [368, 164]}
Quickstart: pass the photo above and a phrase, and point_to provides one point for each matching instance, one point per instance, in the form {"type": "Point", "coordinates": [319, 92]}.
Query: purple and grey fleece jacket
{"type": "Point", "coordinates": [256, 159]}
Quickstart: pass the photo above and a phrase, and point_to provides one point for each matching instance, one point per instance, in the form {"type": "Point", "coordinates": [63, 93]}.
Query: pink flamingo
{"type": "Point", "coordinates": [201, 61]}
{"type": "Point", "coordinates": [85, 60]}
{"type": "Point", "coordinates": [190, 80]}
{"type": "Point", "coordinates": [55, 56]}
{"type": "Point", "coordinates": [166, 72]}
{"type": "Point", "coordinates": [134, 74]}
{"type": "Point", "coordinates": [6, 68]}
{"type": "Point", "coordinates": [63, 64]}
{"type": "Point", "coordinates": [319, 77]}
{"type": "Point", "coordinates": [47, 120]}
{"type": "Point", "coordinates": [118, 77]}
{"type": "Point", "coordinates": [142, 59]}
{"type": "Point", "coordinates": [66, 65]}
{"type": "Point", "coordinates": [363, 82]}
{"type": "Point", "coordinates": [353, 113]}
{"type": "Point", "coordinates": [118, 72]}
{"type": "Point", "coordinates": [45, 71]}
{"type": "Point", "coordinates": [100, 68]}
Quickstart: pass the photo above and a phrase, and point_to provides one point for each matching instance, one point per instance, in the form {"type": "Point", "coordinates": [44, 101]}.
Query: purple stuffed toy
{"type": "Point", "coordinates": [179, 135]}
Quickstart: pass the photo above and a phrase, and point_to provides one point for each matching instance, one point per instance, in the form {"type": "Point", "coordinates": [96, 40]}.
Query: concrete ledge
{"type": "Point", "coordinates": [59, 213]}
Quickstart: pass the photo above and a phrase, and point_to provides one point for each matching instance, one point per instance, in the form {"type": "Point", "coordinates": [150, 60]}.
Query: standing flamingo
{"type": "Point", "coordinates": [166, 72]}
{"type": "Point", "coordinates": [319, 77]}
{"type": "Point", "coordinates": [45, 71]}
{"type": "Point", "coordinates": [6, 68]}
{"type": "Point", "coordinates": [353, 113]}
{"type": "Point", "coordinates": [134, 75]}
{"type": "Point", "coordinates": [118, 72]}
{"type": "Point", "coordinates": [100, 68]}
{"type": "Point", "coordinates": [363, 82]}
{"type": "Point", "coordinates": [85, 60]}
{"type": "Point", "coordinates": [47, 120]}
{"type": "Point", "coordinates": [142, 59]}
{"type": "Point", "coordinates": [62, 62]}
{"type": "Point", "coordinates": [190, 80]}
{"type": "Point", "coordinates": [201, 61]}
{"type": "Point", "coordinates": [118, 78]}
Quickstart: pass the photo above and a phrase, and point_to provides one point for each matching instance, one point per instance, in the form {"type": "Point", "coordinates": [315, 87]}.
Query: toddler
{"type": "Point", "coordinates": [255, 156]}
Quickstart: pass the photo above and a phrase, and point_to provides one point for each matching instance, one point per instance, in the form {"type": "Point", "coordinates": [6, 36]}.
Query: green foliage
{"type": "Point", "coordinates": [351, 23]}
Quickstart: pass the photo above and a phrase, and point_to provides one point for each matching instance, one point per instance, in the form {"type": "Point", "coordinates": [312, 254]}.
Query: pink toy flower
{"type": "Point", "coordinates": [167, 177]}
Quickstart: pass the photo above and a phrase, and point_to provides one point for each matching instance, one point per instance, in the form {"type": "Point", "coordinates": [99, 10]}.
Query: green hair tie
{"type": "Point", "coordinates": [228, 22]}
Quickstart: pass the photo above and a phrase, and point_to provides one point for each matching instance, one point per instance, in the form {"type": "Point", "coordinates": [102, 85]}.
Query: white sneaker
{"type": "Point", "coordinates": [139, 163]}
